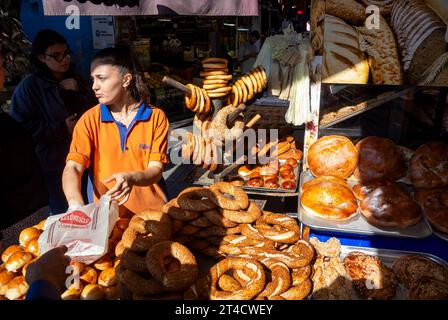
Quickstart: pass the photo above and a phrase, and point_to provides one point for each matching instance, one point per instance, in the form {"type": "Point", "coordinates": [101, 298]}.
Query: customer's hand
{"type": "Point", "coordinates": [69, 84]}
{"type": "Point", "coordinates": [70, 122]}
{"type": "Point", "coordinates": [123, 186]}
{"type": "Point", "coordinates": [51, 267]}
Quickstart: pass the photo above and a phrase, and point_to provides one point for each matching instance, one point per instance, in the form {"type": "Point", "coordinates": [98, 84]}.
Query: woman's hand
{"type": "Point", "coordinates": [123, 186]}
{"type": "Point", "coordinates": [69, 84]}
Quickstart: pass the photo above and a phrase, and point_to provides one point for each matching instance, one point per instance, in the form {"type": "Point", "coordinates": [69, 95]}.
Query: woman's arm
{"type": "Point", "coordinates": [124, 181]}
{"type": "Point", "coordinates": [71, 183]}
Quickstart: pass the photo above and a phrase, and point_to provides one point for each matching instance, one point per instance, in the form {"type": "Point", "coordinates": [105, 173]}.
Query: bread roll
{"type": "Point", "coordinates": [348, 10]}
{"type": "Point", "coordinates": [107, 277]}
{"type": "Point", "coordinates": [332, 156]}
{"type": "Point", "coordinates": [413, 267]}
{"type": "Point", "coordinates": [434, 203]}
{"type": "Point", "coordinates": [33, 247]}
{"type": "Point", "coordinates": [10, 251]}
{"type": "Point", "coordinates": [92, 292]}
{"type": "Point", "coordinates": [72, 293]}
{"type": "Point", "coordinates": [5, 277]}
{"type": "Point", "coordinates": [28, 234]}
{"type": "Point", "coordinates": [428, 288]}
{"type": "Point", "coordinates": [390, 206]}
{"type": "Point", "coordinates": [41, 225]}
{"type": "Point", "coordinates": [16, 288]}
{"type": "Point", "coordinates": [338, 204]}
{"type": "Point", "coordinates": [77, 266]}
{"type": "Point", "coordinates": [89, 275]}
{"type": "Point", "coordinates": [381, 49]}
{"type": "Point", "coordinates": [372, 279]}
{"type": "Point", "coordinates": [361, 191]}
{"type": "Point", "coordinates": [420, 35]}
{"type": "Point", "coordinates": [379, 158]}
{"type": "Point", "coordinates": [17, 260]}
{"type": "Point", "coordinates": [343, 61]}
{"type": "Point", "coordinates": [103, 263]}
{"type": "Point", "coordinates": [428, 167]}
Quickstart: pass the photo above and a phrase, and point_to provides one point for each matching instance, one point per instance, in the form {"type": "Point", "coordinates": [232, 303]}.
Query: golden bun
{"type": "Point", "coordinates": [17, 260]}
{"type": "Point", "coordinates": [41, 225]}
{"type": "Point", "coordinates": [16, 288]}
{"type": "Point", "coordinates": [103, 263]}
{"type": "Point", "coordinates": [339, 204]}
{"type": "Point", "coordinates": [5, 277]}
{"type": "Point", "coordinates": [332, 156]}
{"type": "Point", "coordinates": [107, 277]}
{"type": "Point", "coordinates": [92, 292]}
{"type": "Point", "coordinates": [10, 251]}
{"type": "Point", "coordinates": [27, 234]}
{"type": "Point", "coordinates": [89, 275]}
{"type": "Point", "coordinates": [33, 247]}
{"type": "Point", "coordinates": [72, 293]}
{"type": "Point", "coordinates": [78, 266]}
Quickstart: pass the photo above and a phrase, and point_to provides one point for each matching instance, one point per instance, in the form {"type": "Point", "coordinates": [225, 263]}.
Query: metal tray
{"type": "Point", "coordinates": [357, 224]}
{"type": "Point", "coordinates": [388, 257]}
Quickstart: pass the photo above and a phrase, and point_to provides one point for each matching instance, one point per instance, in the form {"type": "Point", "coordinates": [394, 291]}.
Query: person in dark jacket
{"type": "Point", "coordinates": [47, 103]}
{"type": "Point", "coordinates": [22, 190]}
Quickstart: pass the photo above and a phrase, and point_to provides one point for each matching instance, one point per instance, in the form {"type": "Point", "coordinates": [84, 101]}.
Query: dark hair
{"type": "Point", "coordinates": [44, 39]}
{"type": "Point", "coordinates": [255, 34]}
{"type": "Point", "coordinates": [123, 57]}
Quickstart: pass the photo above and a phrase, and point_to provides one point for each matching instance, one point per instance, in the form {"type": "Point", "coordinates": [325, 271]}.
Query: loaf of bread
{"type": "Point", "coordinates": [343, 61]}
{"type": "Point", "coordinates": [382, 50]}
{"type": "Point", "coordinates": [420, 36]}
{"type": "Point", "coordinates": [385, 6]}
{"type": "Point", "coordinates": [348, 10]}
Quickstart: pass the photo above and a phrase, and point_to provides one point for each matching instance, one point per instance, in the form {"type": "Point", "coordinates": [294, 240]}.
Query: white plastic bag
{"type": "Point", "coordinates": [85, 231]}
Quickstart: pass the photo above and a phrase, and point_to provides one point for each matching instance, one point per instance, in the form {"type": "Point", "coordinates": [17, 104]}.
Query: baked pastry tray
{"type": "Point", "coordinates": [202, 177]}
{"type": "Point", "coordinates": [234, 174]}
{"type": "Point", "coordinates": [388, 257]}
{"type": "Point", "coordinates": [357, 224]}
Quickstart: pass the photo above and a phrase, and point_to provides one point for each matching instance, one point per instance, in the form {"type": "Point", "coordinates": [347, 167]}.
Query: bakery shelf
{"type": "Point", "coordinates": [367, 105]}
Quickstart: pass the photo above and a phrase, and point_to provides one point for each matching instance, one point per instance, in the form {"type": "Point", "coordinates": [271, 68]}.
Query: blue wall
{"type": "Point", "coordinates": [80, 41]}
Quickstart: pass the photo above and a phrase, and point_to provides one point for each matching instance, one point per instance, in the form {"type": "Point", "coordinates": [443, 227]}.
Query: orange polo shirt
{"type": "Point", "coordinates": [106, 147]}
